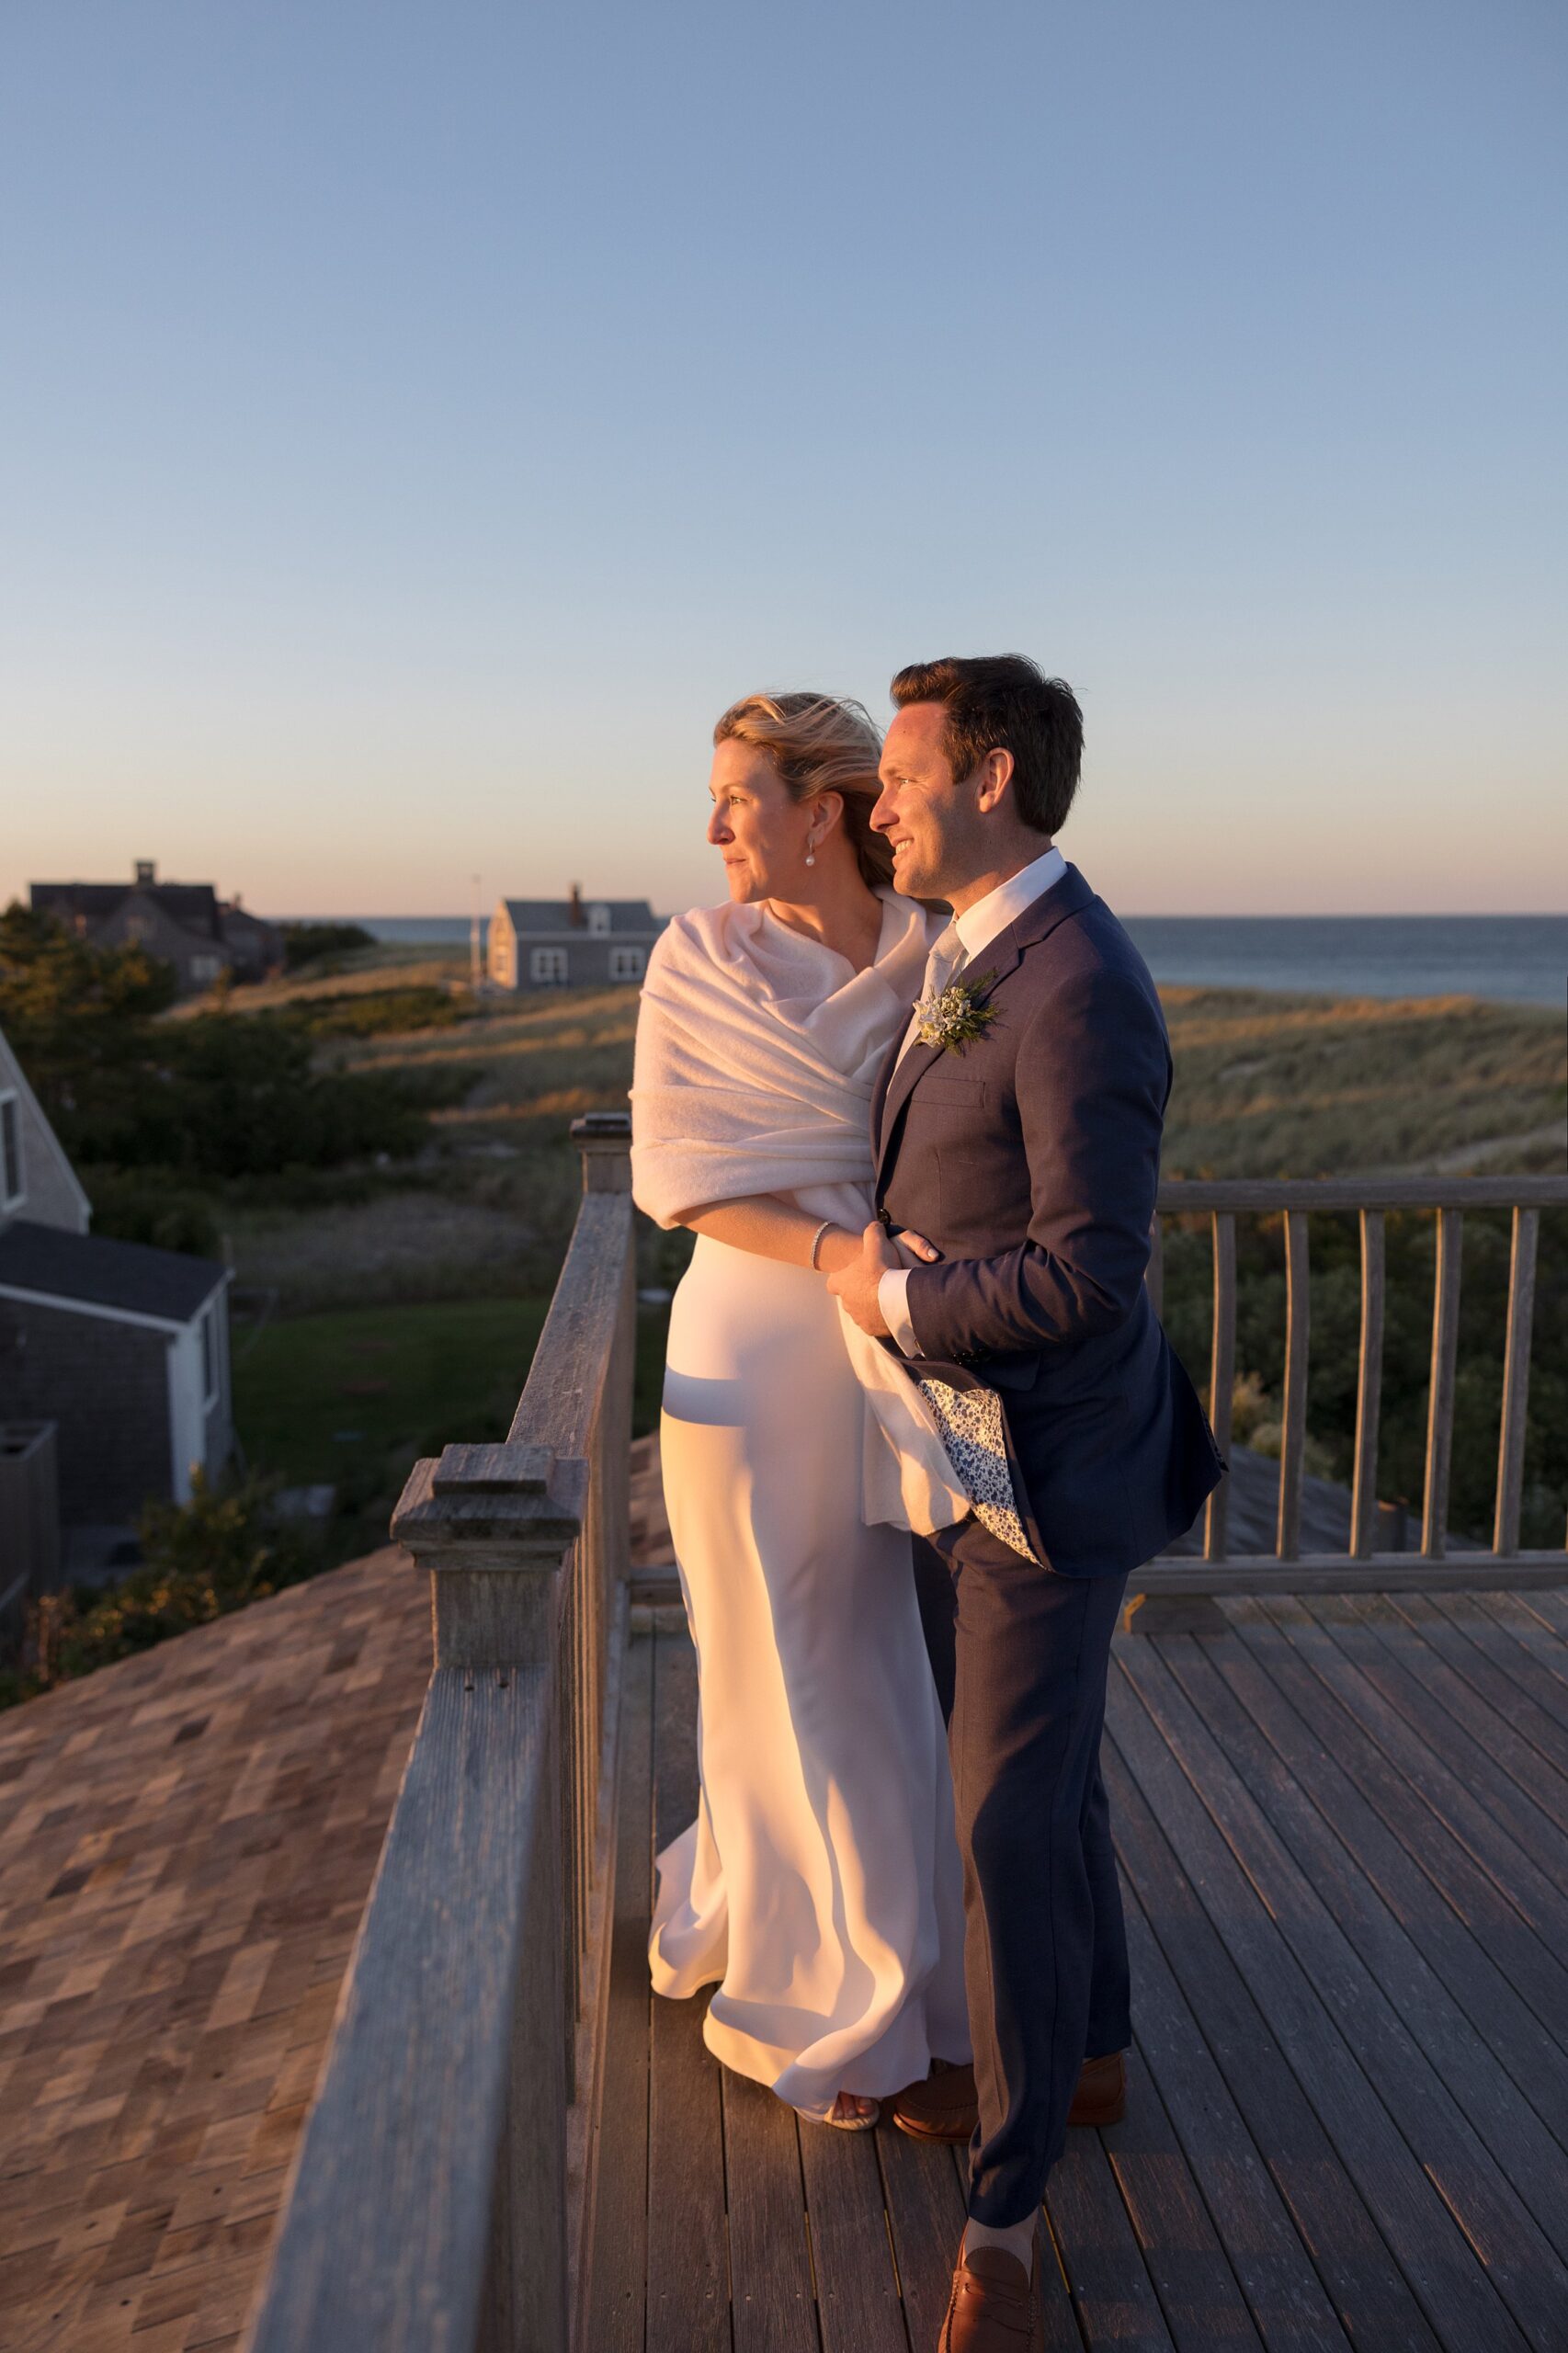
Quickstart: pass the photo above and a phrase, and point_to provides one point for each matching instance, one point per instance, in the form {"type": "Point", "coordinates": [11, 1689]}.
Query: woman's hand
{"type": "Point", "coordinates": [914, 1250]}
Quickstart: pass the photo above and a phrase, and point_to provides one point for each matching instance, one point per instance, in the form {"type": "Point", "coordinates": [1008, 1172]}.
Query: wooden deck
{"type": "Point", "coordinates": [1342, 1827]}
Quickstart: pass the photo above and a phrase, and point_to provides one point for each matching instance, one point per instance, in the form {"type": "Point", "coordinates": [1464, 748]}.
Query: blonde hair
{"type": "Point", "coordinates": [820, 744]}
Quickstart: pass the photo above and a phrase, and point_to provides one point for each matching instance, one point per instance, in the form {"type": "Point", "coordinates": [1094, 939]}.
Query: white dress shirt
{"type": "Point", "coordinates": [976, 927]}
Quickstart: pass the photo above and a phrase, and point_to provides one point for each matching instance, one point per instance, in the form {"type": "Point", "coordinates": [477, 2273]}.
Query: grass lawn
{"type": "Point", "coordinates": [354, 1397]}
{"type": "Point", "coordinates": [319, 1396]}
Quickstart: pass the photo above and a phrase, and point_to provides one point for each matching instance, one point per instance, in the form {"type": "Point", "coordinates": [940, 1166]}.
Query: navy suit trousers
{"type": "Point", "coordinates": [1020, 1655]}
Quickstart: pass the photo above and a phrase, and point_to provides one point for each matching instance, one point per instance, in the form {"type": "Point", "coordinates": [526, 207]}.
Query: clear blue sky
{"type": "Point", "coordinates": [416, 422]}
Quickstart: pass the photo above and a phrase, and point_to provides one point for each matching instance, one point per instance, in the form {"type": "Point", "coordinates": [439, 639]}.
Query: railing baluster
{"type": "Point", "coordinates": [1221, 1377]}
{"type": "Point", "coordinates": [1515, 1382]}
{"type": "Point", "coordinates": [1440, 1402]}
{"type": "Point", "coordinates": [1368, 1389]}
{"type": "Point", "coordinates": [1293, 1430]}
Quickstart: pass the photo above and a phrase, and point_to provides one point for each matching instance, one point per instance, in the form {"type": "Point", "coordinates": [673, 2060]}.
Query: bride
{"type": "Point", "coordinates": [820, 1888]}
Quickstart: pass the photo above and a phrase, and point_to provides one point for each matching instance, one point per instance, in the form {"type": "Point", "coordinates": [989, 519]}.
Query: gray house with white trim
{"type": "Point", "coordinates": [573, 943]}
{"type": "Point", "coordinates": [125, 1349]}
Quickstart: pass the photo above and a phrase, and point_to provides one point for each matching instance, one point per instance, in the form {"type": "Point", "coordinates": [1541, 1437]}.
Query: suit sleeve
{"type": "Point", "coordinates": [1091, 1081]}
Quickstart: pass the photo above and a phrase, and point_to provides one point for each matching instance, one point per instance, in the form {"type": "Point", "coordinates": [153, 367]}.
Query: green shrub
{"type": "Point", "coordinates": [149, 1205]}
{"type": "Point", "coordinates": [303, 942]}
{"type": "Point", "coordinates": [201, 1560]}
{"type": "Point", "coordinates": [373, 1013]}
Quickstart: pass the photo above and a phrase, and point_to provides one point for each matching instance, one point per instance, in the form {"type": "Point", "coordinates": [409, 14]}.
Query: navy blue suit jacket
{"type": "Point", "coordinates": [1031, 1159]}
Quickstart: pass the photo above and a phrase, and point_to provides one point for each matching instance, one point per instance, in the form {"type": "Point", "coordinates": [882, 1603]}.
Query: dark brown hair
{"type": "Point", "coordinates": [820, 744]}
{"type": "Point", "coordinates": [1004, 702]}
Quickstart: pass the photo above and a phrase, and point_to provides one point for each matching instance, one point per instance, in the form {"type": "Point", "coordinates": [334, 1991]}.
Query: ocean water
{"type": "Point", "coordinates": [1516, 960]}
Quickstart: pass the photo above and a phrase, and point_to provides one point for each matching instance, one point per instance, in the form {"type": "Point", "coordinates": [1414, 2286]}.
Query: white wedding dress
{"type": "Point", "coordinates": [820, 1888]}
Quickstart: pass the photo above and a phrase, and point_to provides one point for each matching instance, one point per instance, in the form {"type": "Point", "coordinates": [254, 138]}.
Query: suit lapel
{"type": "Point", "coordinates": [1002, 956]}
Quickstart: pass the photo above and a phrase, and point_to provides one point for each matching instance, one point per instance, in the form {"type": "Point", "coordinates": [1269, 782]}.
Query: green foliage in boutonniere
{"type": "Point", "coordinates": [952, 1019]}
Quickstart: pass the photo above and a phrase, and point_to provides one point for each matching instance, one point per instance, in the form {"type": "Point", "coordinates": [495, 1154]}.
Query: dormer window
{"type": "Point", "coordinates": [12, 1185]}
{"type": "Point", "coordinates": [599, 920]}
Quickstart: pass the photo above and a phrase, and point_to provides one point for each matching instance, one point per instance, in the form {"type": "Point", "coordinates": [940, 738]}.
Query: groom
{"type": "Point", "coordinates": [1021, 1135]}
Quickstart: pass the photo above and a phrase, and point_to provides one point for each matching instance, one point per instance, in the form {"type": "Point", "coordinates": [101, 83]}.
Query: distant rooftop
{"type": "Point", "coordinates": [132, 1276]}
{"type": "Point", "coordinates": [574, 916]}
{"type": "Point", "coordinates": [193, 905]}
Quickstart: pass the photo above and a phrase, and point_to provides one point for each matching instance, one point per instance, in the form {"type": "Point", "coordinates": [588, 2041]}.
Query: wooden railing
{"type": "Point", "coordinates": [1361, 1564]}
{"type": "Point", "coordinates": [439, 2195]}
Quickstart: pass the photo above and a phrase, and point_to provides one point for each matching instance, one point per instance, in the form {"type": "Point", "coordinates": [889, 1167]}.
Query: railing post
{"type": "Point", "coordinates": [1515, 1382]}
{"type": "Point", "coordinates": [1440, 1397]}
{"type": "Point", "coordinates": [1363, 1505]}
{"type": "Point", "coordinates": [1293, 1425]}
{"type": "Point", "coordinates": [1221, 1377]}
{"type": "Point", "coordinates": [495, 1527]}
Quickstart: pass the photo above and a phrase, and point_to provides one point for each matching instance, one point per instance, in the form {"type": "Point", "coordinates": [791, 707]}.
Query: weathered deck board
{"type": "Point", "coordinates": [1348, 2114]}
{"type": "Point", "coordinates": [1469, 1964]}
{"type": "Point", "coordinates": [1484, 1903]}
{"type": "Point", "coordinates": [1518, 1842]}
{"type": "Point", "coordinates": [1438, 2022]}
{"type": "Point", "coordinates": [688, 2272]}
{"type": "Point", "coordinates": [618, 2287]}
{"type": "Point", "coordinates": [1198, 2293]}
{"type": "Point", "coordinates": [1492, 1717]}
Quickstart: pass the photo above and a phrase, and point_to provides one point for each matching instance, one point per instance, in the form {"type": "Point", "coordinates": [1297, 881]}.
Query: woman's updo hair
{"type": "Point", "coordinates": [820, 744]}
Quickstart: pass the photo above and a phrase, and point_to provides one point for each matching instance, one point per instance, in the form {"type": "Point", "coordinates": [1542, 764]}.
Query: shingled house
{"type": "Point", "coordinates": [184, 924]}
{"type": "Point", "coordinates": [571, 943]}
{"type": "Point", "coordinates": [125, 1349]}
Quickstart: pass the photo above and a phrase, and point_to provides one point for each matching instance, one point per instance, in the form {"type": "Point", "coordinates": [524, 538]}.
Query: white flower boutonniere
{"type": "Point", "coordinates": [951, 1019]}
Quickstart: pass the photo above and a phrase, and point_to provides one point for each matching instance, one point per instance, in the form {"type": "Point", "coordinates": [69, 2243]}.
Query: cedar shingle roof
{"type": "Point", "coordinates": [187, 1841]}
{"type": "Point", "coordinates": [130, 1276]}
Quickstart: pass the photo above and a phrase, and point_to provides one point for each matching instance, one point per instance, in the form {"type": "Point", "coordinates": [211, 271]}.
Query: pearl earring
{"type": "Point", "coordinates": [811, 857]}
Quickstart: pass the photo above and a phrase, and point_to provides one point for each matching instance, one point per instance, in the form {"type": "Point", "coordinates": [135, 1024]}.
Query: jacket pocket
{"type": "Point", "coordinates": [946, 1087]}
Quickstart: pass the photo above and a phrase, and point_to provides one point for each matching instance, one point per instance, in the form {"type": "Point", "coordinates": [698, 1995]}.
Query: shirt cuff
{"type": "Point", "coordinates": [893, 1297]}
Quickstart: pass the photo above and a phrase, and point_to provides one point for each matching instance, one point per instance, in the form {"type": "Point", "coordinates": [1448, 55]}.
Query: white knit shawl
{"type": "Point", "coordinates": [757, 1054]}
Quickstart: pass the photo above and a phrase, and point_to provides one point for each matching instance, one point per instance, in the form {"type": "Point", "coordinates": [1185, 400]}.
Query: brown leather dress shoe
{"type": "Point", "coordinates": [1101, 2094]}
{"type": "Point", "coordinates": [994, 2306]}
{"type": "Point", "coordinates": [944, 2108]}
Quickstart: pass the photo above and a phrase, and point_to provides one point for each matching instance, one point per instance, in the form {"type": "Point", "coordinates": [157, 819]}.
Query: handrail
{"type": "Point", "coordinates": [1363, 1566]}
{"type": "Point", "coordinates": [1180, 1195]}
{"type": "Point", "coordinates": [430, 2199]}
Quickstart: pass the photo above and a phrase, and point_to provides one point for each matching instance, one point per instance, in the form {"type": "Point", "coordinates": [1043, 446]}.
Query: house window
{"type": "Point", "coordinates": [547, 968]}
{"type": "Point", "coordinates": [205, 968]}
{"type": "Point", "coordinates": [12, 1184]}
{"type": "Point", "coordinates": [598, 921]}
{"type": "Point", "coordinates": [626, 964]}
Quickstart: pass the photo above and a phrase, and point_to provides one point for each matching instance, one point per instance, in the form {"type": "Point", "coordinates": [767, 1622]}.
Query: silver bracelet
{"type": "Point", "coordinates": [825, 1227]}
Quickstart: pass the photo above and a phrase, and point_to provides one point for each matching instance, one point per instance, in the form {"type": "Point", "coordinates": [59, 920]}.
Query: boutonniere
{"type": "Point", "coordinates": [951, 1019]}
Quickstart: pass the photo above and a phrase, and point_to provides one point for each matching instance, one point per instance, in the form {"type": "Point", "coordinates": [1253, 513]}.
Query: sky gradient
{"type": "Point", "coordinates": [416, 423]}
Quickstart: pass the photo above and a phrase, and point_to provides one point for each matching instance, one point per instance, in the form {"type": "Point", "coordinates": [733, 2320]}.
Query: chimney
{"type": "Point", "coordinates": [146, 873]}
{"type": "Point", "coordinates": [575, 915]}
